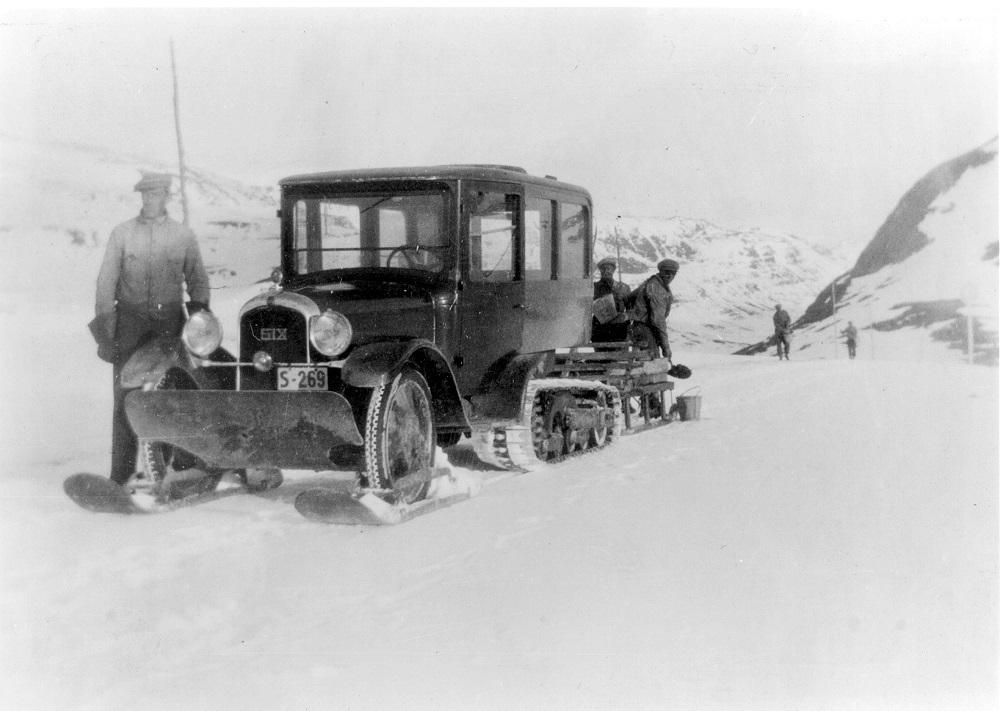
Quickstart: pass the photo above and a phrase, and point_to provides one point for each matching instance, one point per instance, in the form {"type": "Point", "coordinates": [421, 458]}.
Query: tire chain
{"type": "Point", "coordinates": [371, 427]}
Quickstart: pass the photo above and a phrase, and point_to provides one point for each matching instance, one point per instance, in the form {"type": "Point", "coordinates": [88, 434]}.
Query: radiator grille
{"type": "Point", "coordinates": [279, 331]}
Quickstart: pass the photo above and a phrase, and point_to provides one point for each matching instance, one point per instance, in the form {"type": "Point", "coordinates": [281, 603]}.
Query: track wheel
{"type": "Point", "coordinates": [557, 437]}
{"type": "Point", "coordinates": [599, 435]}
{"type": "Point", "coordinates": [399, 436]}
{"type": "Point", "coordinates": [171, 471]}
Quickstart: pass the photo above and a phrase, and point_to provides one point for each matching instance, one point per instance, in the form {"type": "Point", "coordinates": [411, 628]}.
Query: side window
{"type": "Point", "coordinates": [538, 239]}
{"type": "Point", "coordinates": [574, 226]}
{"type": "Point", "coordinates": [492, 233]}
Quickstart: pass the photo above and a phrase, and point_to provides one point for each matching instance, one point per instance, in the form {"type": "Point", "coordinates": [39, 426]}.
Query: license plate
{"type": "Point", "coordinates": [302, 378]}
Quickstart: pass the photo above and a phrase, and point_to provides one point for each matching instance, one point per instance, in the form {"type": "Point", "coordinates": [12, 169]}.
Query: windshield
{"type": "Point", "coordinates": [388, 230]}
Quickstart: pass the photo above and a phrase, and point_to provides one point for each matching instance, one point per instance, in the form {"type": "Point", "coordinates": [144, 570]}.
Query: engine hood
{"type": "Point", "coordinates": [379, 307]}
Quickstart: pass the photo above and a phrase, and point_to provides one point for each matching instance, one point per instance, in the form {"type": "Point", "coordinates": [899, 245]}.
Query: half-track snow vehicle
{"type": "Point", "coordinates": [413, 308]}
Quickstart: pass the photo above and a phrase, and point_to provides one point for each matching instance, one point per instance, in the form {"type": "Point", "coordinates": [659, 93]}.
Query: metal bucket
{"type": "Point", "coordinates": [689, 405]}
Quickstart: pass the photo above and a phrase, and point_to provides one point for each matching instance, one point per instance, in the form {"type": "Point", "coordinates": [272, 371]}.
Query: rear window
{"type": "Point", "coordinates": [574, 227]}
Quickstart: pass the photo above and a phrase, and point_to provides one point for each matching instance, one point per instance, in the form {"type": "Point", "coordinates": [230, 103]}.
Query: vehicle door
{"type": "Point", "coordinates": [557, 287]}
{"type": "Point", "coordinates": [492, 297]}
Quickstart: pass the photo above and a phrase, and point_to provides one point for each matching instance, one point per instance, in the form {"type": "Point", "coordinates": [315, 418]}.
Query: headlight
{"type": "Point", "coordinates": [330, 333]}
{"type": "Point", "coordinates": [202, 334]}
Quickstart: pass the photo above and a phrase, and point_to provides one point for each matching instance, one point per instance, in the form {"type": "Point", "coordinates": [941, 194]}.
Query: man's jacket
{"type": "Point", "coordinates": [651, 302]}
{"type": "Point", "coordinates": [147, 264]}
{"type": "Point", "coordinates": [782, 323]}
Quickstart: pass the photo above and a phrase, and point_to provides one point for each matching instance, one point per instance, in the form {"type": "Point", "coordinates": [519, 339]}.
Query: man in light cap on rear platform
{"type": "Point", "coordinates": [605, 326]}
{"type": "Point", "coordinates": [149, 262]}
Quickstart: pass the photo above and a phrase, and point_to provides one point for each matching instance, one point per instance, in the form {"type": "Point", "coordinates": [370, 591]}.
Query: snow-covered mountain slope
{"type": "Point", "coordinates": [934, 260]}
{"type": "Point", "coordinates": [729, 279]}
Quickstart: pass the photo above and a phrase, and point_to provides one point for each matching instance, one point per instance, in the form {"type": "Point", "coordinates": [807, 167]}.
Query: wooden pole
{"type": "Point", "coordinates": [180, 140]}
{"type": "Point", "coordinates": [969, 295]}
{"type": "Point", "coordinates": [836, 335]}
{"type": "Point", "coordinates": [970, 338]}
{"type": "Point", "coordinates": [618, 248]}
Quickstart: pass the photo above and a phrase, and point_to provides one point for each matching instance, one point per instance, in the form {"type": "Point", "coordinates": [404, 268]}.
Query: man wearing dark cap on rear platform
{"type": "Point", "coordinates": [653, 304]}
{"type": "Point", "coordinates": [616, 327]}
{"type": "Point", "coordinates": [149, 262]}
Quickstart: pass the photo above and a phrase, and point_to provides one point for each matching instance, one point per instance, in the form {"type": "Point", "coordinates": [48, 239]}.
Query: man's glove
{"type": "Point", "coordinates": [102, 328]}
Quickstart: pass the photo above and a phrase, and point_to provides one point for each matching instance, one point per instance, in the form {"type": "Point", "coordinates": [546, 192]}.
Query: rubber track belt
{"type": "Point", "coordinates": [513, 446]}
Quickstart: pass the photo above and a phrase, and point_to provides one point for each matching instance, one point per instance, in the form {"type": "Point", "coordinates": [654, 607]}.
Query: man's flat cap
{"type": "Point", "coordinates": [153, 181]}
{"type": "Point", "coordinates": [607, 260]}
{"type": "Point", "coordinates": [668, 265]}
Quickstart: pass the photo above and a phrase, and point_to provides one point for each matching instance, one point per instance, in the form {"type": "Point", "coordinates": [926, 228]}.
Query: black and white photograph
{"type": "Point", "coordinates": [565, 358]}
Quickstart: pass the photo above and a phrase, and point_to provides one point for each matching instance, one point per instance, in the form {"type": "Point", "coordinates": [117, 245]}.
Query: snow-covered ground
{"type": "Point", "coordinates": [824, 537]}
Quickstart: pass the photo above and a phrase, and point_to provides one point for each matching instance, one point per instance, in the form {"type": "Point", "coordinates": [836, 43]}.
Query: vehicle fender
{"type": "Point", "coordinates": [502, 389]}
{"type": "Point", "coordinates": [148, 364]}
{"type": "Point", "coordinates": [373, 364]}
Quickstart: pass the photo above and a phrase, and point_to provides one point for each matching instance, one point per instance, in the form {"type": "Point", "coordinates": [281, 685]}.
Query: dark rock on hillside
{"type": "Point", "coordinates": [900, 236]}
{"type": "Point", "coordinates": [956, 231]}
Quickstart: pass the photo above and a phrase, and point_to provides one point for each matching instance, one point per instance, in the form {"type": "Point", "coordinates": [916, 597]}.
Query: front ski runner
{"type": "Point", "coordinates": [140, 496]}
{"type": "Point", "coordinates": [367, 507]}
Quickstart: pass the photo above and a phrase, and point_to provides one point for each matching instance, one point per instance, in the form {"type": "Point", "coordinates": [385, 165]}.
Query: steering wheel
{"type": "Point", "coordinates": [417, 257]}
{"type": "Point", "coordinates": [400, 250]}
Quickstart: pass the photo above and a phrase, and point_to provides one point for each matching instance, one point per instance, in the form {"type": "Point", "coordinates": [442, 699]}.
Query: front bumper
{"type": "Point", "coordinates": [240, 429]}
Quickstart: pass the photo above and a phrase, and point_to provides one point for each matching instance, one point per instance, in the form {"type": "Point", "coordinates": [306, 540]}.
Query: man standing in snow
{"type": "Point", "coordinates": [782, 331]}
{"type": "Point", "coordinates": [852, 339]}
{"type": "Point", "coordinates": [652, 302]}
{"type": "Point", "coordinates": [613, 327]}
{"type": "Point", "coordinates": [148, 262]}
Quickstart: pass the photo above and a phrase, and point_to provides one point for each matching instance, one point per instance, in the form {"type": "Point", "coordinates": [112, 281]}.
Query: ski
{"type": "Point", "coordinates": [367, 509]}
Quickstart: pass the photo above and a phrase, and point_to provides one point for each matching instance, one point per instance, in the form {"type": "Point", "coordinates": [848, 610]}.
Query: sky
{"type": "Point", "coordinates": [810, 122]}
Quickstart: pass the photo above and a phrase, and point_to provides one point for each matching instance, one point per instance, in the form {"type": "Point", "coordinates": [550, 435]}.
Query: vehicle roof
{"type": "Point", "coordinates": [468, 171]}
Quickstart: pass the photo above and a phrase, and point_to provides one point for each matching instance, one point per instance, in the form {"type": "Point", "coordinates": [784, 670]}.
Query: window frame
{"type": "Point", "coordinates": [508, 190]}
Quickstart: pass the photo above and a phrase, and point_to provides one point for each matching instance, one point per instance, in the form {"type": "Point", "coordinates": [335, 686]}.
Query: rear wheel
{"type": "Point", "coordinates": [399, 436]}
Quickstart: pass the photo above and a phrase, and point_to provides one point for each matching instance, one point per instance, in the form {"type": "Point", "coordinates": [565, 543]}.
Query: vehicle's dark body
{"type": "Point", "coordinates": [473, 322]}
{"type": "Point", "coordinates": [469, 276]}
